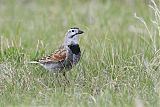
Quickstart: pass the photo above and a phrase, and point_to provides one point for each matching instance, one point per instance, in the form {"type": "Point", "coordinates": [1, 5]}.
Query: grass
{"type": "Point", "coordinates": [119, 67]}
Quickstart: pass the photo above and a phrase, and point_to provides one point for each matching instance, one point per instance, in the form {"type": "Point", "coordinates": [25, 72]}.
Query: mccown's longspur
{"type": "Point", "coordinates": [66, 56]}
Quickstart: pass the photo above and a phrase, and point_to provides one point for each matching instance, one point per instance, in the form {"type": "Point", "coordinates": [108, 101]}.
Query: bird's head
{"type": "Point", "coordinates": [72, 35]}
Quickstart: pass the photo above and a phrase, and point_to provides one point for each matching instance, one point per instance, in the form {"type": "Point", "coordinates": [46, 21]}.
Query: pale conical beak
{"type": "Point", "coordinates": [80, 32]}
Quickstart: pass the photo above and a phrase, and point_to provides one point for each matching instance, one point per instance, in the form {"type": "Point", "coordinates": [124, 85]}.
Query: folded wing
{"type": "Point", "coordinates": [57, 56]}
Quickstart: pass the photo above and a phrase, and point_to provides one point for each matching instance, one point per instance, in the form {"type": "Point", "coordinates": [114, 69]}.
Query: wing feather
{"type": "Point", "coordinates": [57, 56]}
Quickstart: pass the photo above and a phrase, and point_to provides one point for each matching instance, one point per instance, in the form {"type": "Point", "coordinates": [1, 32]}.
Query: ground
{"type": "Point", "coordinates": [120, 46]}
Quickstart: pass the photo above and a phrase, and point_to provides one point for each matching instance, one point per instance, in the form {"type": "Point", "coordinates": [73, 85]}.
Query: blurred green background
{"type": "Point", "coordinates": [120, 62]}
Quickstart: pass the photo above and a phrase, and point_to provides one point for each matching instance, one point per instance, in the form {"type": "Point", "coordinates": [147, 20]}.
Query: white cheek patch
{"type": "Point", "coordinates": [71, 37]}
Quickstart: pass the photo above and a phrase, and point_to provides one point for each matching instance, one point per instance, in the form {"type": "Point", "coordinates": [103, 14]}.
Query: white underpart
{"type": "Point", "coordinates": [69, 41]}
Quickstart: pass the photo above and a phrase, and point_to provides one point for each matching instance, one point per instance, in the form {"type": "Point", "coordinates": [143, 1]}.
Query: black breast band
{"type": "Point", "coordinates": [75, 48]}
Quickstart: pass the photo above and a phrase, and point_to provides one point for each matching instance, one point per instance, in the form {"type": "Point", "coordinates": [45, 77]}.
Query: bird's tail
{"type": "Point", "coordinates": [33, 62]}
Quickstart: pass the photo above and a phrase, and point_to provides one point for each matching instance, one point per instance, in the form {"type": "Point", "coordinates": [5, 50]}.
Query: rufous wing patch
{"type": "Point", "coordinates": [57, 56]}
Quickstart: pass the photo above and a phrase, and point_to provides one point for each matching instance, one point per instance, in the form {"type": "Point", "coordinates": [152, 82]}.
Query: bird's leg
{"type": "Point", "coordinates": [65, 76]}
{"type": "Point", "coordinates": [57, 77]}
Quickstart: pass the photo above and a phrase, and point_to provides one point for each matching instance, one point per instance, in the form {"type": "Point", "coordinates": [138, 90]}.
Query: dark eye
{"type": "Point", "coordinates": [72, 30]}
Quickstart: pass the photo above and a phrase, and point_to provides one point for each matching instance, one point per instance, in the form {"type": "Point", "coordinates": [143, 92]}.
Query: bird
{"type": "Point", "coordinates": [66, 56]}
